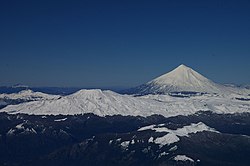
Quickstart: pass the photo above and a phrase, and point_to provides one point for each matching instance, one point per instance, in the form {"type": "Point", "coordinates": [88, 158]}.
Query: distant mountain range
{"type": "Point", "coordinates": [182, 91]}
{"type": "Point", "coordinates": [181, 79]}
{"type": "Point", "coordinates": [48, 90]}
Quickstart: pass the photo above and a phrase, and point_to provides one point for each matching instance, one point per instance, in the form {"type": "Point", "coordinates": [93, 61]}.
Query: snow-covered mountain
{"type": "Point", "coordinates": [90, 101]}
{"type": "Point", "coordinates": [104, 103]}
{"type": "Point", "coordinates": [183, 79]}
{"type": "Point", "coordinates": [24, 96]}
{"type": "Point", "coordinates": [28, 95]}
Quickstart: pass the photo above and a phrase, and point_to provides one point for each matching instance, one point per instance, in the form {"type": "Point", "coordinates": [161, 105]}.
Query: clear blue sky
{"type": "Point", "coordinates": [122, 42]}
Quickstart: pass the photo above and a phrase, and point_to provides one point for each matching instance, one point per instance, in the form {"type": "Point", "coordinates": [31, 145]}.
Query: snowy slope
{"type": "Point", "coordinates": [185, 79]}
{"type": "Point", "coordinates": [173, 136]}
{"type": "Point", "coordinates": [104, 103]}
{"type": "Point", "coordinates": [28, 95]}
{"type": "Point", "coordinates": [184, 131]}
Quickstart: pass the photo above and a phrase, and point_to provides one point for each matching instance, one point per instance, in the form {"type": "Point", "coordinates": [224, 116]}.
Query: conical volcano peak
{"type": "Point", "coordinates": [182, 66]}
{"type": "Point", "coordinates": [182, 78]}
{"type": "Point", "coordinates": [182, 75]}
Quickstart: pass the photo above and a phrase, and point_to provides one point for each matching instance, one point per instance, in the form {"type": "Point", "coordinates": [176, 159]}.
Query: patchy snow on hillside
{"type": "Point", "coordinates": [183, 158]}
{"type": "Point", "coordinates": [166, 139]}
{"type": "Point", "coordinates": [59, 120]}
{"type": "Point", "coordinates": [172, 136]}
{"type": "Point", "coordinates": [125, 144]}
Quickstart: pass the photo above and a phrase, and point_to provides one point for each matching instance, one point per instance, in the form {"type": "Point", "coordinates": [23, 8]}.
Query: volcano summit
{"type": "Point", "coordinates": [182, 79]}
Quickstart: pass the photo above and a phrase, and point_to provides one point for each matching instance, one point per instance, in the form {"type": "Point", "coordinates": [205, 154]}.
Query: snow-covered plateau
{"type": "Point", "coordinates": [104, 103]}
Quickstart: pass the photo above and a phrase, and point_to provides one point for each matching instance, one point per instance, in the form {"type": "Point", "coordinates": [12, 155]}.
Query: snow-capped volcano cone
{"type": "Point", "coordinates": [180, 79]}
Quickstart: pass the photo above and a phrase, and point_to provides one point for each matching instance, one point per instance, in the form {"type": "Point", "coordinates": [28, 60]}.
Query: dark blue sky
{"type": "Point", "coordinates": [121, 42]}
